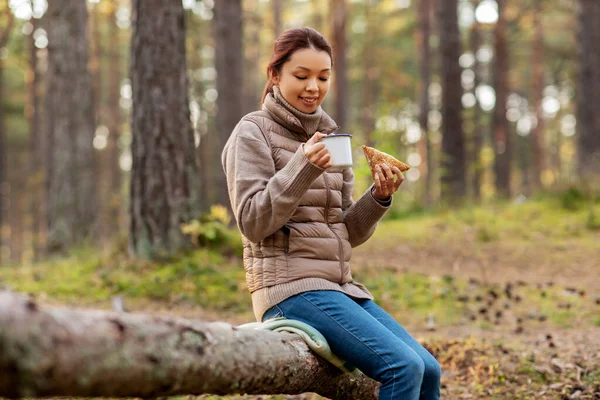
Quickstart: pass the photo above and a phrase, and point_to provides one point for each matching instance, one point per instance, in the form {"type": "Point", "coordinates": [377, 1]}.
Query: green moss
{"type": "Point", "coordinates": [200, 277]}
{"type": "Point", "coordinates": [413, 294]}
{"type": "Point", "coordinates": [530, 371]}
{"type": "Point", "coordinates": [593, 377]}
{"type": "Point", "coordinates": [536, 218]}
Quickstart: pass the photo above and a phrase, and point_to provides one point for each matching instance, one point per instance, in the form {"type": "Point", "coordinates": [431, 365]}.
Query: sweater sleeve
{"type": "Point", "coordinates": [361, 217]}
{"type": "Point", "coordinates": [262, 199]}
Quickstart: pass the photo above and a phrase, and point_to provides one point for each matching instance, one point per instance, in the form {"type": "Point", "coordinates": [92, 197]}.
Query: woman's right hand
{"type": "Point", "coordinates": [316, 152]}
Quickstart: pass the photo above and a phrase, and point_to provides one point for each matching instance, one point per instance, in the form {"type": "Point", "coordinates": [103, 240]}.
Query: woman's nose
{"type": "Point", "coordinates": [311, 85]}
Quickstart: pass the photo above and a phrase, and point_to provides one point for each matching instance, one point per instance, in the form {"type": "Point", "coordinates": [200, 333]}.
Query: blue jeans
{"type": "Point", "coordinates": [362, 333]}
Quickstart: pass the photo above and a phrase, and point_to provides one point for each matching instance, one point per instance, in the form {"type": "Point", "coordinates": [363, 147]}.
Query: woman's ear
{"type": "Point", "coordinates": [274, 78]}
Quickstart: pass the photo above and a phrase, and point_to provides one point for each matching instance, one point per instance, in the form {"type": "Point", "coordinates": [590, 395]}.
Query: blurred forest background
{"type": "Point", "coordinates": [113, 115]}
{"type": "Point", "coordinates": [485, 99]}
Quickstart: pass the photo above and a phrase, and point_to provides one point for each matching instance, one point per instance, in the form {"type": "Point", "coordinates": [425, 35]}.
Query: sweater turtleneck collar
{"type": "Point", "coordinates": [295, 120]}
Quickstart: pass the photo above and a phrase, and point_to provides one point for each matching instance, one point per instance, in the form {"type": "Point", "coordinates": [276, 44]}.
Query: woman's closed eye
{"type": "Point", "coordinates": [304, 77]}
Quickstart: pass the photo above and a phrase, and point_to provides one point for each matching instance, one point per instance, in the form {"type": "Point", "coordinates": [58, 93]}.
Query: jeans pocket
{"type": "Point", "coordinates": [273, 312]}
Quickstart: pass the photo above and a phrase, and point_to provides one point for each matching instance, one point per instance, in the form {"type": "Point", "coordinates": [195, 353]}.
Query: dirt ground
{"type": "Point", "coordinates": [545, 362]}
{"type": "Point", "coordinates": [538, 261]}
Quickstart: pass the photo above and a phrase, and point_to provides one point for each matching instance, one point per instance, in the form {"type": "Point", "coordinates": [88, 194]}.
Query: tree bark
{"type": "Point", "coordinates": [163, 177]}
{"type": "Point", "coordinates": [588, 98]}
{"type": "Point", "coordinates": [453, 143]}
{"type": "Point", "coordinates": [424, 145]}
{"type": "Point", "coordinates": [537, 133]}
{"type": "Point", "coordinates": [339, 16]}
{"type": "Point", "coordinates": [229, 57]}
{"type": "Point", "coordinates": [48, 351]}
{"type": "Point", "coordinates": [502, 137]}
{"type": "Point", "coordinates": [72, 205]}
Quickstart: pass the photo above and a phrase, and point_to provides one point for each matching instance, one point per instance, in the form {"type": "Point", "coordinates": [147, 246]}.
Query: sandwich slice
{"type": "Point", "coordinates": [376, 157]}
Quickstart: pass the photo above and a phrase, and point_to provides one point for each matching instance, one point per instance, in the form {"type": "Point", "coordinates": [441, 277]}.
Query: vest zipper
{"type": "Point", "coordinates": [326, 214]}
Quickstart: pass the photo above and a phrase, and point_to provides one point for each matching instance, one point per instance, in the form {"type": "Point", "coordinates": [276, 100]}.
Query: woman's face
{"type": "Point", "coordinates": [305, 78]}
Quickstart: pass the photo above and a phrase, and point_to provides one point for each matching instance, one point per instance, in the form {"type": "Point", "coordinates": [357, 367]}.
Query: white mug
{"type": "Point", "coordinates": [338, 145]}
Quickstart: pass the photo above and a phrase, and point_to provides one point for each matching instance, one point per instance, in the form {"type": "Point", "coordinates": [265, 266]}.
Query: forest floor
{"type": "Point", "coordinates": [507, 297]}
{"type": "Point", "coordinates": [516, 343]}
{"type": "Point", "coordinates": [525, 329]}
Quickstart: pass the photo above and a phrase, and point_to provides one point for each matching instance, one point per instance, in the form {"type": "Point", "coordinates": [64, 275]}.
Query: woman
{"type": "Point", "coordinates": [299, 223]}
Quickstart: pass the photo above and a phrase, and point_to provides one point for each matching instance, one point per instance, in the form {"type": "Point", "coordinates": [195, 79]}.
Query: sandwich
{"type": "Point", "coordinates": [376, 157]}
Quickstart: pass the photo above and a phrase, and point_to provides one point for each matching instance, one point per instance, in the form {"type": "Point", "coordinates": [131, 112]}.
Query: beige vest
{"type": "Point", "coordinates": [314, 242]}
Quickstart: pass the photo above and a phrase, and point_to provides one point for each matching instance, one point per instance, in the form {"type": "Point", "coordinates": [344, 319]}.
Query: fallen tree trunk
{"type": "Point", "coordinates": [52, 351]}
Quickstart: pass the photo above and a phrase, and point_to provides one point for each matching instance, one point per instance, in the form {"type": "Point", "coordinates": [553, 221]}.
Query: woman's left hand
{"type": "Point", "coordinates": [385, 184]}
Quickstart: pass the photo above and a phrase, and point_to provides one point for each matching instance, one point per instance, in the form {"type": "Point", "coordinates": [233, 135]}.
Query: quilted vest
{"type": "Point", "coordinates": [314, 242]}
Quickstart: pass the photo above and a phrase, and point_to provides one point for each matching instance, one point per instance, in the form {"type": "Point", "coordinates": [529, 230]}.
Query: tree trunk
{"type": "Point", "coordinates": [72, 205]}
{"type": "Point", "coordinates": [208, 169]}
{"type": "Point", "coordinates": [4, 185]}
{"type": "Point", "coordinates": [523, 151]}
{"type": "Point", "coordinates": [478, 127]}
{"type": "Point", "coordinates": [588, 98]}
{"type": "Point", "coordinates": [554, 158]}
{"type": "Point", "coordinates": [502, 137]}
{"type": "Point", "coordinates": [3, 164]}
{"type": "Point", "coordinates": [35, 172]}
{"type": "Point", "coordinates": [229, 57]}
{"type": "Point", "coordinates": [113, 122]}
{"type": "Point", "coordinates": [101, 177]}
{"type": "Point", "coordinates": [17, 209]}
{"type": "Point", "coordinates": [453, 144]}
{"type": "Point", "coordinates": [94, 24]}
{"type": "Point", "coordinates": [424, 145]}
{"type": "Point", "coordinates": [317, 19]}
{"type": "Point", "coordinates": [537, 133]}
{"type": "Point", "coordinates": [277, 26]}
{"type": "Point", "coordinates": [339, 16]}
{"type": "Point", "coordinates": [368, 84]}
{"type": "Point", "coordinates": [252, 47]}
{"type": "Point", "coordinates": [203, 152]}
{"type": "Point", "coordinates": [163, 175]}
{"type": "Point", "coordinates": [48, 351]}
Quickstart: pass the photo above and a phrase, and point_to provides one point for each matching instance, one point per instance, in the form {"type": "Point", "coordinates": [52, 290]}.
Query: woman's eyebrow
{"type": "Point", "coordinates": [307, 69]}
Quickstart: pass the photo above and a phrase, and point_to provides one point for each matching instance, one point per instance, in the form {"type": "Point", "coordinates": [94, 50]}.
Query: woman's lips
{"type": "Point", "coordinates": [309, 101]}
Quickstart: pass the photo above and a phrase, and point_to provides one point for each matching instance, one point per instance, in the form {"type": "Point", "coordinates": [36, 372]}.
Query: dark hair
{"type": "Point", "coordinates": [287, 44]}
